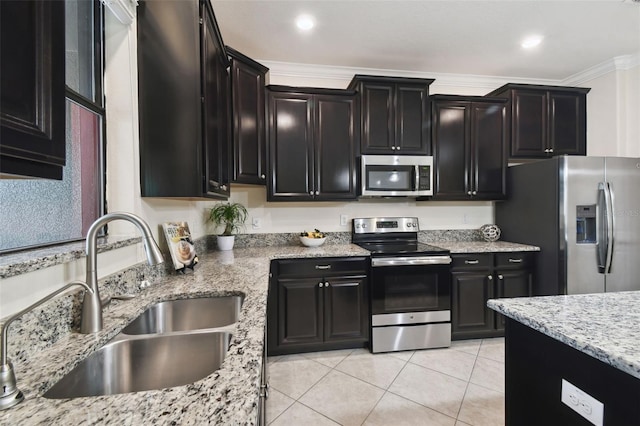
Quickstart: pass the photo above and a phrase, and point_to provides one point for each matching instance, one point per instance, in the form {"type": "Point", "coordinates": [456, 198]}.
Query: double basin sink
{"type": "Point", "coordinates": [172, 343]}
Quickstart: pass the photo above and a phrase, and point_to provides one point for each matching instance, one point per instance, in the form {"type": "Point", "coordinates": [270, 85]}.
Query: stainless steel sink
{"type": "Point", "coordinates": [187, 315]}
{"type": "Point", "coordinates": [131, 364]}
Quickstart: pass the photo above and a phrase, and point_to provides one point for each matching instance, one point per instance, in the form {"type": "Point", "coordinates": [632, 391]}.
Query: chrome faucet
{"type": "Point", "coordinates": [91, 320]}
{"type": "Point", "coordinates": [10, 395]}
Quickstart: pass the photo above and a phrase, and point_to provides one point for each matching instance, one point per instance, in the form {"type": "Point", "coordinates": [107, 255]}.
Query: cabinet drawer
{"type": "Point", "coordinates": [515, 260]}
{"type": "Point", "coordinates": [324, 266]}
{"type": "Point", "coordinates": [474, 260]}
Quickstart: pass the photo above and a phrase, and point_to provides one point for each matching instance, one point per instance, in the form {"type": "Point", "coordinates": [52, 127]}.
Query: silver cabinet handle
{"type": "Point", "coordinates": [398, 148]}
{"type": "Point", "coordinates": [515, 260]}
{"type": "Point", "coordinates": [475, 192]}
{"type": "Point", "coordinates": [490, 277]}
{"type": "Point", "coordinates": [262, 176]}
{"type": "Point", "coordinates": [317, 192]}
{"type": "Point", "coordinates": [468, 192]}
{"type": "Point", "coordinates": [320, 285]}
{"type": "Point", "coordinates": [500, 277]}
{"type": "Point", "coordinates": [393, 148]}
{"type": "Point", "coordinates": [471, 262]}
{"type": "Point", "coordinates": [550, 149]}
{"type": "Point", "coordinates": [323, 267]}
{"type": "Point", "coordinates": [310, 192]}
{"type": "Point", "coordinates": [326, 284]}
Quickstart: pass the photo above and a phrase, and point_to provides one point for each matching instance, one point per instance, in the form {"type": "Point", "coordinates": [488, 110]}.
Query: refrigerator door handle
{"type": "Point", "coordinates": [605, 228]}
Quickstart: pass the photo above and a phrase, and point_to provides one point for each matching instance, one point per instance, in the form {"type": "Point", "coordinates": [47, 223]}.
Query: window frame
{"type": "Point", "coordinates": [97, 107]}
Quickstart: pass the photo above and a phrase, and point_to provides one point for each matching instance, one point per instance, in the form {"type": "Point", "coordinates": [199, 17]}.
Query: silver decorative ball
{"type": "Point", "coordinates": [490, 232]}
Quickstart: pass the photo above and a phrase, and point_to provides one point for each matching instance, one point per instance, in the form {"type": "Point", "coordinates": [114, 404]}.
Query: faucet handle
{"type": "Point", "coordinates": [107, 300]}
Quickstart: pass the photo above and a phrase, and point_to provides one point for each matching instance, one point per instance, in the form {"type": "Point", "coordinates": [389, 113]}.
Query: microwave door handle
{"type": "Point", "coordinates": [416, 181]}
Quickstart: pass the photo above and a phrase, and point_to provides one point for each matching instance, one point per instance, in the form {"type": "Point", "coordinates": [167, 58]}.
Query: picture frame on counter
{"type": "Point", "coordinates": [181, 247]}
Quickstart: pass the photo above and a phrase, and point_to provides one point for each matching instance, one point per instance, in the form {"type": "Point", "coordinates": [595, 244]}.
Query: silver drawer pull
{"type": "Point", "coordinates": [515, 260]}
{"type": "Point", "coordinates": [471, 262]}
{"type": "Point", "coordinates": [323, 267]}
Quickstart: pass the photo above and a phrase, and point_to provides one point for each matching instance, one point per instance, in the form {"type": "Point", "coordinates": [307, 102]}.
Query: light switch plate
{"type": "Point", "coordinates": [582, 403]}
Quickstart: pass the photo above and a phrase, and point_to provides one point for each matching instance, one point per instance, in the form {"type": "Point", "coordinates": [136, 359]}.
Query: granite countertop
{"type": "Point", "coordinates": [483, 247]}
{"type": "Point", "coordinates": [228, 396]}
{"type": "Point", "coordinates": [605, 326]}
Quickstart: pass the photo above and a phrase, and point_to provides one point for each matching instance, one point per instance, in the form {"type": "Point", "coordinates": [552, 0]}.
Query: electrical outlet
{"type": "Point", "coordinates": [256, 223]}
{"type": "Point", "coordinates": [344, 220]}
{"type": "Point", "coordinates": [582, 403]}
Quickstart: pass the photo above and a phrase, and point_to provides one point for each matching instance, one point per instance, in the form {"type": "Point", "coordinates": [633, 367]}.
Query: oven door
{"type": "Point", "coordinates": [412, 286]}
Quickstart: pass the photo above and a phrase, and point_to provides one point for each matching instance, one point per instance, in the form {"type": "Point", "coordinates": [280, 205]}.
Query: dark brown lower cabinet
{"type": "Point", "coordinates": [535, 366]}
{"type": "Point", "coordinates": [317, 305]}
{"type": "Point", "coordinates": [477, 278]}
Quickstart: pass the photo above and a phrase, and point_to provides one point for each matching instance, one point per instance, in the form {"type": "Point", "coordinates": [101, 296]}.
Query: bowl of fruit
{"type": "Point", "coordinates": [313, 238]}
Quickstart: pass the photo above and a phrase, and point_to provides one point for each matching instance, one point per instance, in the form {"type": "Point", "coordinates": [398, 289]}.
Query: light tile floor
{"type": "Point", "coordinates": [457, 386]}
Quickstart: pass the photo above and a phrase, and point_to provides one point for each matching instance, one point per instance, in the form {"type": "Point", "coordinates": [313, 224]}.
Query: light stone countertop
{"type": "Point", "coordinates": [605, 326]}
{"type": "Point", "coordinates": [228, 396]}
{"type": "Point", "coordinates": [457, 247]}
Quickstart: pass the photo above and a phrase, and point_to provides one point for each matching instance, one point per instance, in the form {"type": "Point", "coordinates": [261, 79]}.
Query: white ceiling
{"type": "Point", "coordinates": [451, 37]}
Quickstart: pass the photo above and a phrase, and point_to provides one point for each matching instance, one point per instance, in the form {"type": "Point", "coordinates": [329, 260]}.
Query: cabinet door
{"type": "Point", "coordinates": [528, 123]}
{"type": "Point", "coordinates": [300, 311]}
{"type": "Point", "coordinates": [215, 115]}
{"type": "Point", "coordinates": [378, 118]}
{"type": "Point", "coordinates": [412, 134]}
{"type": "Point", "coordinates": [346, 313]}
{"type": "Point", "coordinates": [512, 283]}
{"type": "Point", "coordinates": [451, 150]}
{"type": "Point", "coordinates": [291, 155]}
{"type": "Point", "coordinates": [32, 88]}
{"type": "Point", "coordinates": [567, 123]}
{"type": "Point", "coordinates": [470, 316]}
{"type": "Point", "coordinates": [249, 138]}
{"type": "Point", "coordinates": [488, 137]}
{"type": "Point", "coordinates": [335, 138]}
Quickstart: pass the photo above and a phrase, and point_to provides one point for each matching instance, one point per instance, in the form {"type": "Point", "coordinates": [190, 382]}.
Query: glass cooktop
{"type": "Point", "coordinates": [401, 248]}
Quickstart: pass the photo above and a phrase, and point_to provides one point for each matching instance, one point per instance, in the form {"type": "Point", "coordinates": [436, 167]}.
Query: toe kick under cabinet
{"type": "Point", "coordinates": [478, 277]}
{"type": "Point", "coordinates": [317, 304]}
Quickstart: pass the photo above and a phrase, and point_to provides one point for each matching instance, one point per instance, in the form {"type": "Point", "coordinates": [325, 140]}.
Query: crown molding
{"type": "Point", "coordinates": [330, 72]}
{"type": "Point", "coordinates": [619, 63]}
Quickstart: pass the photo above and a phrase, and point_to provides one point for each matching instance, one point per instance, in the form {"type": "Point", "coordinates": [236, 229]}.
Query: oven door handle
{"type": "Point", "coordinates": [410, 261]}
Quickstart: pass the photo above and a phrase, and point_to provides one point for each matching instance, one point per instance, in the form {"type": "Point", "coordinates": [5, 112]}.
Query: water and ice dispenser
{"type": "Point", "coordinates": [586, 224]}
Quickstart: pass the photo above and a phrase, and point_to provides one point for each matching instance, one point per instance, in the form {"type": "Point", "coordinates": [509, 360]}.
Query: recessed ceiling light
{"type": "Point", "coordinates": [305, 22]}
{"type": "Point", "coordinates": [531, 41]}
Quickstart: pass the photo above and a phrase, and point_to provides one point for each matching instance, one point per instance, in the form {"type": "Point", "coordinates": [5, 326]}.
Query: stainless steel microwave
{"type": "Point", "coordinates": [396, 175]}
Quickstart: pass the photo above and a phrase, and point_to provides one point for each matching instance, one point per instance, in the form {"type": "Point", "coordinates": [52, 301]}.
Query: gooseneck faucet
{"type": "Point", "coordinates": [10, 395]}
{"type": "Point", "coordinates": [91, 320]}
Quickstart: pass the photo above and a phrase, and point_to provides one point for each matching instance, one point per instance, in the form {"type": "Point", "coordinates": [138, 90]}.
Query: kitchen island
{"type": "Point", "coordinates": [591, 341]}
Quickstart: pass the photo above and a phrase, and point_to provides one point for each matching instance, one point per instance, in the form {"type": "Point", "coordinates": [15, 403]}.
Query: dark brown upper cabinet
{"type": "Point", "coordinates": [469, 147]}
{"type": "Point", "coordinates": [545, 120]}
{"type": "Point", "coordinates": [32, 88]}
{"type": "Point", "coordinates": [248, 79]}
{"type": "Point", "coordinates": [184, 101]}
{"type": "Point", "coordinates": [312, 139]}
{"type": "Point", "coordinates": [394, 114]}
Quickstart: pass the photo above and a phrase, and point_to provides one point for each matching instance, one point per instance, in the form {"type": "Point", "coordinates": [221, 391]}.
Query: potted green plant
{"type": "Point", "coordinates": [230, 215]}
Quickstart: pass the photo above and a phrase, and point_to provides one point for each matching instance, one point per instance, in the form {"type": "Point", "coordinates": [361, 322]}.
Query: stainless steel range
{"type": "Point", "coordinates": [410, 285]}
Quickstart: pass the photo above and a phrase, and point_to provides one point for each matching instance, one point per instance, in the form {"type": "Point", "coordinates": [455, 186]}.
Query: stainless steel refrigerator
{"type": "Point", "coordinates": [584, 214]}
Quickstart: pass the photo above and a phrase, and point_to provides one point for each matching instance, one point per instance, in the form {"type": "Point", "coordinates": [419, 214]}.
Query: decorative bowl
{"type": "Point", "coordinates": [490, 232]}
{"type": "Point", "coordinates": [312, 242]}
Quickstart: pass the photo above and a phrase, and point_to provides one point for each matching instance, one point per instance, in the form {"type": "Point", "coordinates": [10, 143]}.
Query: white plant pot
{"type": "Point", "coordinates": [225, 242]}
